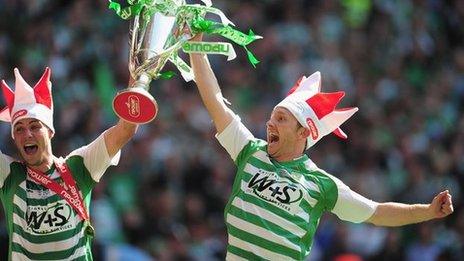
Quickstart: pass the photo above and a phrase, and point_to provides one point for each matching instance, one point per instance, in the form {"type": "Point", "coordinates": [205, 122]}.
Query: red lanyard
{"type": "Point", "coordinates": [71, 195]}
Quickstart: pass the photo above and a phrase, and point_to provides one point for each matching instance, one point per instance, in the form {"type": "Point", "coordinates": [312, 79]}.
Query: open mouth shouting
{"type": "Point", "coordinates": [272, 138]}
{"type": "Point", "coordinates": [30, 149]}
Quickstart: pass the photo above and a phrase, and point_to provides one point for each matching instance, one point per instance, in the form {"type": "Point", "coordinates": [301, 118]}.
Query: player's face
{"type": "Point", "coordinates": [283, 133]}
{"type": "Point", "coordinates": [33, 140]}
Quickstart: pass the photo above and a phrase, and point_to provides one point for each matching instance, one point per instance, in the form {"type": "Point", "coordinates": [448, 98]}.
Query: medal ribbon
{"type": "Point", "coordinates": [71, 195]}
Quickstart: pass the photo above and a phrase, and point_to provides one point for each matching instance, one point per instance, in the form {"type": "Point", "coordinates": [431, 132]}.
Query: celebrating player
{"type": "Point", "coordinates": [46, 198]}
{"type": "Point", "coordinates": [279, 194]}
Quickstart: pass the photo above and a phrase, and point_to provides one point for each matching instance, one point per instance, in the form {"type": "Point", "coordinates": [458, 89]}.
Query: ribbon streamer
{"type": "Point", "coordinates": [210, 48]}
{"type": "Point", "coordinates": [200, 47]}
{"type": "Point", "coordinates": [183, 67]}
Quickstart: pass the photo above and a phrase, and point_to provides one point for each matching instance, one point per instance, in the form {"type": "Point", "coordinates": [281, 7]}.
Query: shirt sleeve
{"type": "Point", "coordinates": [96, 157]}
{"type": "Point", "coordinates": [234, 137]}
{"type": "Point", "coordinates": [5, 162]}
{"type": "Point", "coordinates": [351, 206]}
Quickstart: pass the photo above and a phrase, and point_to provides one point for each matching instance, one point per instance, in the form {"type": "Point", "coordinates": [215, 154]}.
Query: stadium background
{"type": "Point", "coordinates": [400, 62]}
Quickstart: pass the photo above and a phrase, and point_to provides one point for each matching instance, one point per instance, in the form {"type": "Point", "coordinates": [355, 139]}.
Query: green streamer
{"type": "Point", "coordinates": [134, 8]}
{"type": "Point", "coordinates": [199, 24]}
{"type": "Point", "coordinates": [210, 48]}
{"type": "Point", "coordinates": [166, 75]}
{"type": "Point", "coordinates": [182, 66]}
{"type": "Point", "coordinates": [146, 7]}
{"type": "Point", "coordinates": [251, 57]}
{"type": "Point", "coordinates": [210, 27]}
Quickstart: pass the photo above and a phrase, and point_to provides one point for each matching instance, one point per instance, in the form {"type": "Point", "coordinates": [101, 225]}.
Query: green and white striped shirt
{"type": "Point", "coordinates": [41, 225]}
{"type": "Point", "coordinates": [275, 207]}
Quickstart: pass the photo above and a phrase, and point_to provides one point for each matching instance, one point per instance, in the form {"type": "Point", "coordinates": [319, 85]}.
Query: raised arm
{"type": "Point", "coordinates": [397, 214]}
{"type": "Point", "coordinates": [118, 135]}
{"type": "Point", "coordinates": [210, 92]}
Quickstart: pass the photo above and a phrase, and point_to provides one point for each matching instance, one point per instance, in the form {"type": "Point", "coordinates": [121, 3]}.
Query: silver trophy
{"type": "Point", "coordinates": [160, 28]}
{"type": "Point", "coordinates": [152, 42]}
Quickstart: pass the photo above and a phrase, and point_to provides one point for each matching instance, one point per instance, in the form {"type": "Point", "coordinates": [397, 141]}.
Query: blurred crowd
{"type": "Point", "coordinates": [400, 61]}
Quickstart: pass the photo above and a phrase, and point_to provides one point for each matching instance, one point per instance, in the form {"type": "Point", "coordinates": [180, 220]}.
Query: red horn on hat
{"type": "Point", "coordinates": [324, 103]}
{"type": "Point", "coordinates": [8, 94]}
{"type": "Point", "coordinates": [296, 86]}
{"type": "Point", "coordinates": [42, 90]}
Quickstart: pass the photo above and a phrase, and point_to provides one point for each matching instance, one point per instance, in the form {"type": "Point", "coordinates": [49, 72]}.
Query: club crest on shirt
{"type": "Point", "coordinates": [48, 219]}
{"type": "Point", "coordinates": [274, 189]}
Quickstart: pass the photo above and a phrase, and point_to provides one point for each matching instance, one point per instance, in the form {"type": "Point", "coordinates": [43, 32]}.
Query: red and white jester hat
{"type": "Point", "coordinates": [315, 110]}
{"type": "Point", "coordinates": [27, 102]}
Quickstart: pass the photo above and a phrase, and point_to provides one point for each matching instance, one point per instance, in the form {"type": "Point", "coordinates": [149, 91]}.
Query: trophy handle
{"type": "Point", "coordinates": [135, 104]}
